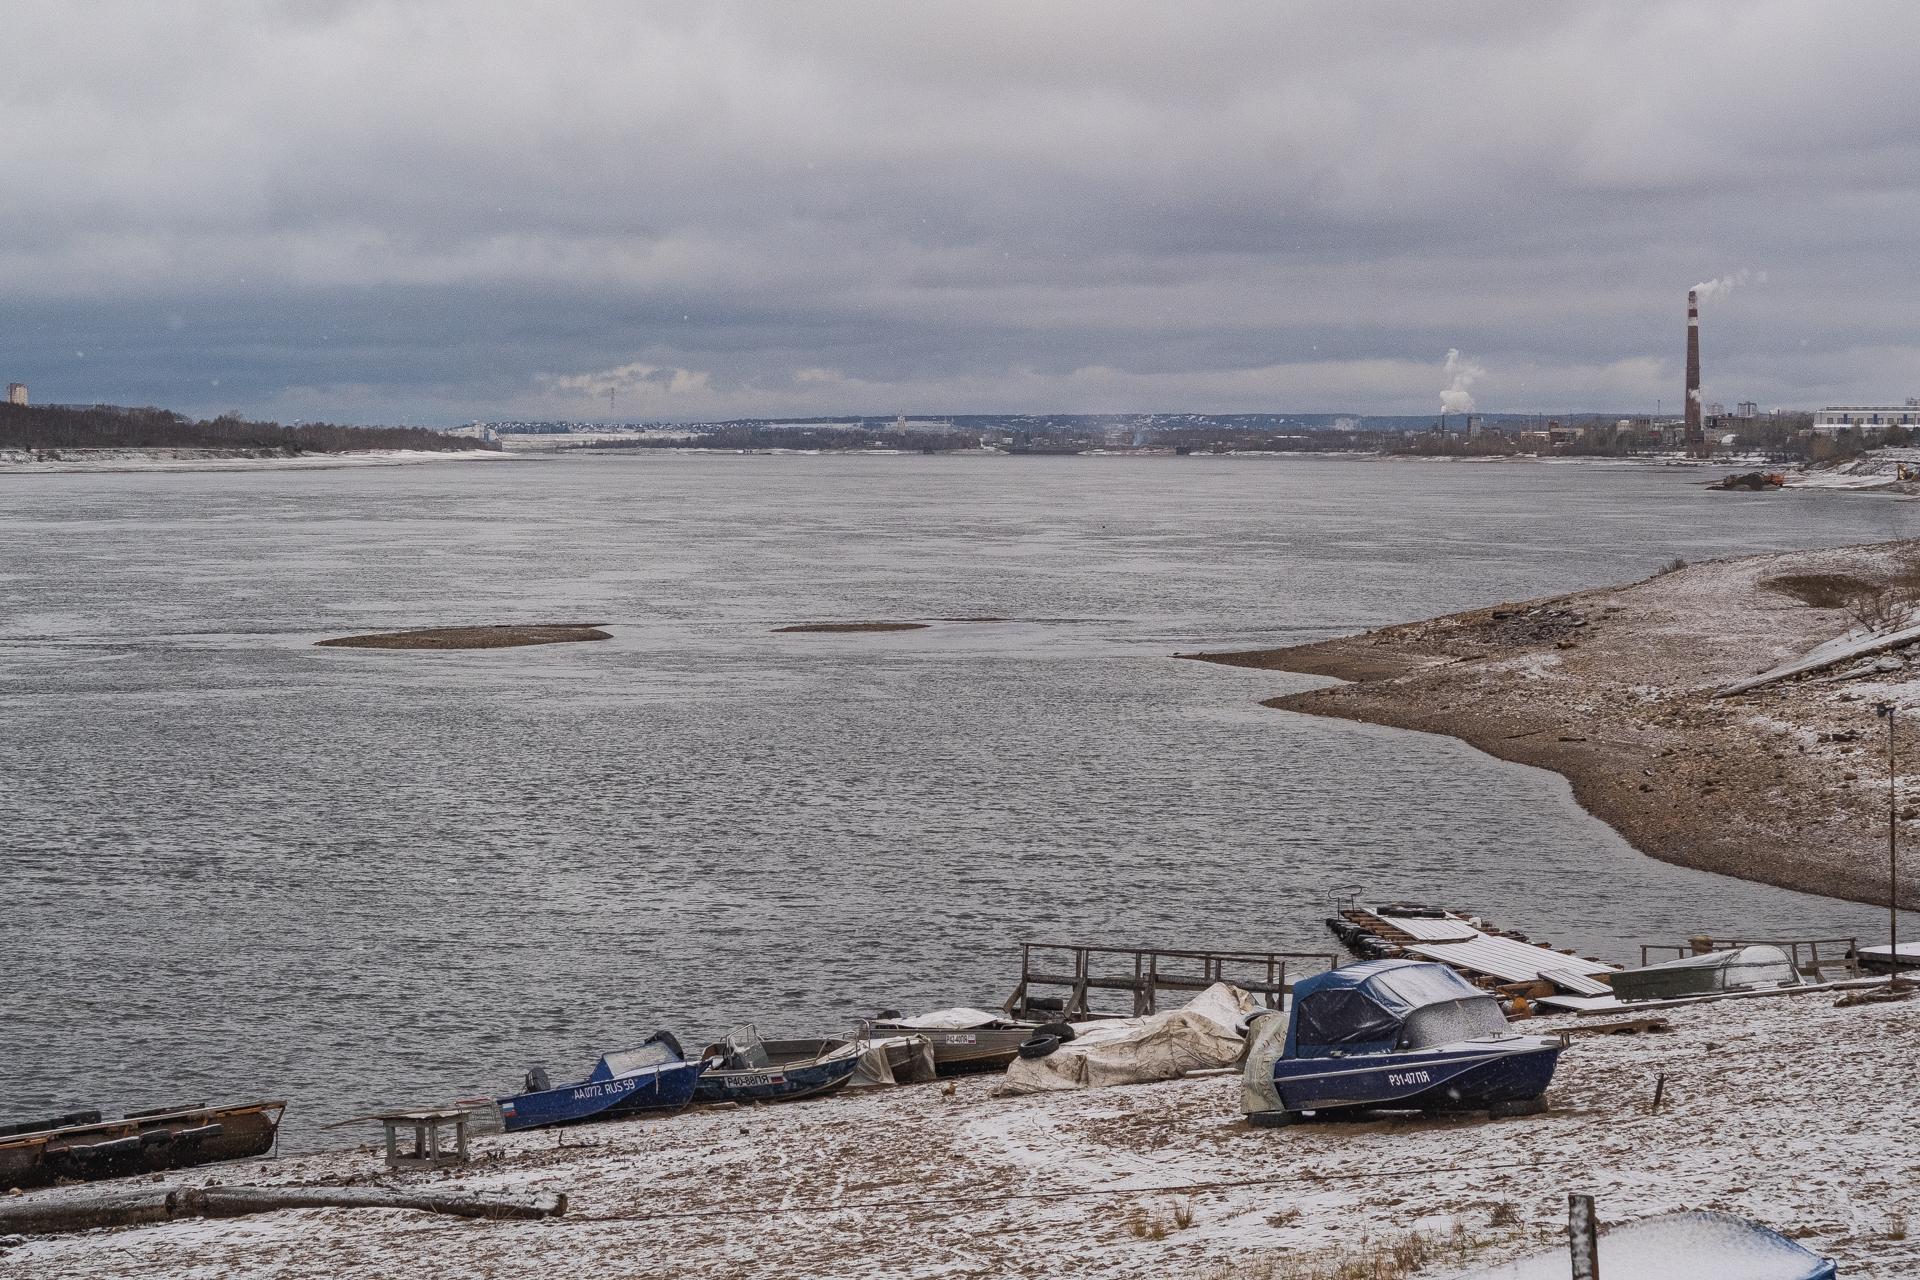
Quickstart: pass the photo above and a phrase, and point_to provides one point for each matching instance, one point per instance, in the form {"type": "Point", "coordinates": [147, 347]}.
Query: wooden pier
{"type": "Point", "coordinates": [1145, 972]}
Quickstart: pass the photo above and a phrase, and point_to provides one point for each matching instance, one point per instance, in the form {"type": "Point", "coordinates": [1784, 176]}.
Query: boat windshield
{"type": "Point", "coordinates": [1448, 1021]}
{"type": "Point", "coordinates": [629, 1060]}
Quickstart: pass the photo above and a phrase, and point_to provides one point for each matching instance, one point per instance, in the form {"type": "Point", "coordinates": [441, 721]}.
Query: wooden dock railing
{"type": "Point", "coordinates": [1145, 972]}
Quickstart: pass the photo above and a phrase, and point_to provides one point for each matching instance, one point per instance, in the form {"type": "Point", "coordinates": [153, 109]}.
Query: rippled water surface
{"type": "Point", "coordinates": [235, 863]}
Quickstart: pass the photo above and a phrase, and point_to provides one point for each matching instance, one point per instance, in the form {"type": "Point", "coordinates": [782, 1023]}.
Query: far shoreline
{"type": "Point", "coordinates": [139, 461]}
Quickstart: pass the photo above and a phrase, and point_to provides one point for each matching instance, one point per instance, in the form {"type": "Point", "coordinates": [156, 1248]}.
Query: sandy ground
{"type": "Point", "coordinates": [1614, 688]}
{"type": "Point", "coordinates": [1792, 1111]}
{"type": "Point", "coordinates": [20, 462]}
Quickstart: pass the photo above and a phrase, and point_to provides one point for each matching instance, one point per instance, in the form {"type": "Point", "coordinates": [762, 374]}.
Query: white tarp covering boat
{"type": "Point", "coordinates": [1204, 1033]}
{"type": "Point", "coordinates": [958, 1019]}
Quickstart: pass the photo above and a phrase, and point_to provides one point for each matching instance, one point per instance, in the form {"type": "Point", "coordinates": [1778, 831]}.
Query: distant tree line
{"type": "Point", "coordinates": [54, 427]}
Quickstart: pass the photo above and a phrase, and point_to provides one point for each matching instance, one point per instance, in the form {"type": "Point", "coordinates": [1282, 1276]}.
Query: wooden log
{"type": "Point", "coordinates": [233, 1202]}
{"type": "Point", "coordinates": [31, 1216]}
{"type": "Point", "coordinates": [39, 1216]}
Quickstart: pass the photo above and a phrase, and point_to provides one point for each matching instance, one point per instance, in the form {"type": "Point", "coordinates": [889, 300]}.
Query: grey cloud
{"type": "Point", "coordinates": [439, 210]}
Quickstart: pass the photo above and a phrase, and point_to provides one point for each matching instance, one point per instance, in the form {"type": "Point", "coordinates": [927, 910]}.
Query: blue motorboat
{"type": "Point", "coordinates": [1392, 1035]}
{"type": "Point", "coordinates": [745, 1068]}
{"type": "Point", "coordinates": [654, 1076]}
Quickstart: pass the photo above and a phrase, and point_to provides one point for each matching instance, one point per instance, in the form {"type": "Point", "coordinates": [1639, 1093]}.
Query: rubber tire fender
{"type": "Point", "coordinates": [1063, 1031]}
{"type": "Point", "coordinates": [1038, 1047]}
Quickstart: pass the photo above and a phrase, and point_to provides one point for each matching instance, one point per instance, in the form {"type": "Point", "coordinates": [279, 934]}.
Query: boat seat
{"type": "Point", "coordinates": [745, 1050]}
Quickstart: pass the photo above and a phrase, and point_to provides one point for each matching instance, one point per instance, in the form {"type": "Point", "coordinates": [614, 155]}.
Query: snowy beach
{"type": "Point", "coordinates": [1788, 1110]}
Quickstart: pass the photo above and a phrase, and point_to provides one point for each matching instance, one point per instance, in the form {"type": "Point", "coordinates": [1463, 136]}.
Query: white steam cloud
{"type": "Point", "coordinates": [1461, 374]}
{"type": "Point", "coordinates": [1711, 289]}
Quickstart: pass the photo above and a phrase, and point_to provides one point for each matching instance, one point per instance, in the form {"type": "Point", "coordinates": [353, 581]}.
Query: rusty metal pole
{"type": "Point", "coordinates": [1583, 1237]}
{"type": "Point", "coordinates": [1885, 711]}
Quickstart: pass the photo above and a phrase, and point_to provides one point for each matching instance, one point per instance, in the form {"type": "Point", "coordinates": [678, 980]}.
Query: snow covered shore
{"type": "Point", "coordinates": [1788, 1110]}
{"type": "Point", "coordinates": [25, 462]}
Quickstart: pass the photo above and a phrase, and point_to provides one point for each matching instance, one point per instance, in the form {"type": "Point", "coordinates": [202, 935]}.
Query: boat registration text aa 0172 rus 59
{"type": "Point", "coordinates": [606, 1088]}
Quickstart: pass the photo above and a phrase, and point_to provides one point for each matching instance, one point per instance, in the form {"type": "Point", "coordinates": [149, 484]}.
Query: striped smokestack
{"type": "Point", "coordinates": [1696, 434]}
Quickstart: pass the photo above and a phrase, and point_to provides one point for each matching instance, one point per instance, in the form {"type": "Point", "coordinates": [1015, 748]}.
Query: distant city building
{"type": "Point", "coordinates": [1868, 420]}
{"type": "Point", "coordinates": [922, 427]}
{"type": "Point", "coordinates": [16, 393]}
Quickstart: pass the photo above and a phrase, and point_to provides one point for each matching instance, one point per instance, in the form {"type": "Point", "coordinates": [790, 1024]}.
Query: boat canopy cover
{"type": "Point", "coordinates": [1369, 1007]}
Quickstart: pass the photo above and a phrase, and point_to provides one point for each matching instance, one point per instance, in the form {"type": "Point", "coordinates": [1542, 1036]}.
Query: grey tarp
{"type": "Point", "coordinates": [1163, 1046]}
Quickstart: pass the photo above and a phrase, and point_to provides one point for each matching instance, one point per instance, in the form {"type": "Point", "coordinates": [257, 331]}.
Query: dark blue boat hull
{"type": "Point", "coordinates": [1465, 1077]}
{"type": "Point", "coordinates": [776, 1083]}
{"type": "Point", "coordinates": [664, 1088]}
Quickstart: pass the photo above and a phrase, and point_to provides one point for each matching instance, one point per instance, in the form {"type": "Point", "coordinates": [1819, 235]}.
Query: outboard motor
{"type": "Point", "coordinates": [538, 1081]}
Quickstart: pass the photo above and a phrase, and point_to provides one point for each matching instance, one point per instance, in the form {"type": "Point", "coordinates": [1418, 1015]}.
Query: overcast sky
{"type": "Point", "coordinates": [427, 212]}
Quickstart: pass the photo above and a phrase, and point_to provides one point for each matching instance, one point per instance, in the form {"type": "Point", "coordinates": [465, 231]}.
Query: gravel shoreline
{"type": "Point", "coordinates": [1614, 689]}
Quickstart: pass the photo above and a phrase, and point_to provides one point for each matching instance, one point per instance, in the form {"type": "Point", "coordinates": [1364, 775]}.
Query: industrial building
{"type": "Point", "coordinates": [16, 393]}
{"type": "Point", "coordinates": [1868, 420]}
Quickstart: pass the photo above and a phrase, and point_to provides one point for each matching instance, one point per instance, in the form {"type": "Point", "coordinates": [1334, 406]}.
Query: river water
{"type": "Point", "coordinates": [237, 864]}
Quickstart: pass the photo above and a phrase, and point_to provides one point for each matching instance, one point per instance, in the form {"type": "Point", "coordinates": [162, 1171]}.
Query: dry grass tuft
{"type": "Point", "coordinates": [1393, 1257]}
{"type": "Point", "coordinates": [1819, 590]}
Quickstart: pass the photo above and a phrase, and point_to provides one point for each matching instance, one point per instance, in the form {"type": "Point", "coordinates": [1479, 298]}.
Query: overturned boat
{"type": "Point", "coordinates": [655, 1076]}
{"type": "Point", "coordinates": [744, 1068]}
{"type": "Point", "coordinates": [1392, 1035]}
{"type": "Point", "coordinates": [83, 1146]}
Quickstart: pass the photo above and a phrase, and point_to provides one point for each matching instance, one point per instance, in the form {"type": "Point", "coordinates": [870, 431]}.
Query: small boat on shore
{"type": "Point", "coordinates": [1717, 1246]}
{"type": "Point", "coordinates": [1883, 959]}
{"type": "Point", "coordinates": [84, 1147]}
{"type": "Point", "coordinates": [745, 1068]}
{"type": "Point", "coordinates": [654, 1076]}
{"type": "Point", "coordinates": [963, 1040]}
{"type": "Point", "coordinates": [1756, 966]}
{"type": "Point", "coordinates": [1392, 1035]}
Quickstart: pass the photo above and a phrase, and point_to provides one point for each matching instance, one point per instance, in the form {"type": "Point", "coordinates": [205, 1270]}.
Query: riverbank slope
{"type": "Point", "coordinates": [1615, 689]}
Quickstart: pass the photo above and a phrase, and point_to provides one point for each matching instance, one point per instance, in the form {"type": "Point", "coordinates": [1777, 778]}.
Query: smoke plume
{"type": "Point", "coordinates": [1711, 289]}
{"type": "Point", "coordinates": [1454, 397]}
